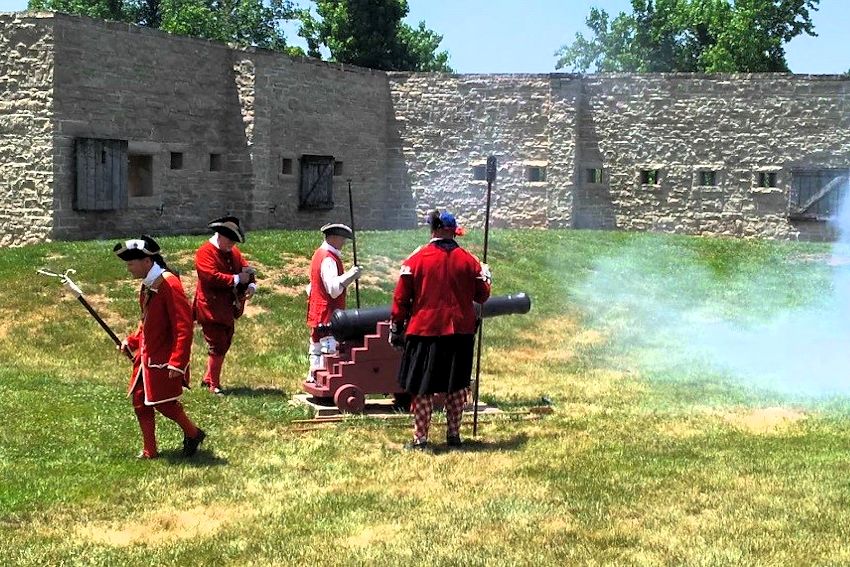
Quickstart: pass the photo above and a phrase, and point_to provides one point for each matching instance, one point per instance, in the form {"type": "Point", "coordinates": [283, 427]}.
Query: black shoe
{"type": "Point", "coordinates": [454, 441]}
{"type": "Point", "coordinates": [418, 446]}
{"type": "Point", "coordinates": [190, 444]}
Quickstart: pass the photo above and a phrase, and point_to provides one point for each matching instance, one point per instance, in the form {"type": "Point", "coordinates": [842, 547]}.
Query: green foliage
{"type": "Point", "coordinates": [690, 36]}
{"type": "Point", "coordinates": [103, 9]}
{"type": "Point", "coordinates": [241, 22]}
{"type": "Point", "coordinates": [370, 33]}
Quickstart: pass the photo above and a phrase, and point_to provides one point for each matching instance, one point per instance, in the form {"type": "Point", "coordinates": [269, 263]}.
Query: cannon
{"type": "Point", "coordinates": [365, 363]}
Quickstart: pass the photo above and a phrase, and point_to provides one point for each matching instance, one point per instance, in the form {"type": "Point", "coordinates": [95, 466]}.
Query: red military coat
{"type": "Point", "coordinates": [436, 290]}
{"type": "Point", "coordinates": [320, 304]}
{"type": "Point", "coordinates": [163, 340]}
{"type": "Point", "coordinates": [215, 294]}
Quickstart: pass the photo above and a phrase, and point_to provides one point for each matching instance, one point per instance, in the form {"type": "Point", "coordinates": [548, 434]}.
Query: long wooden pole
{"type": "Point", "coordinates": [353, 242]}
{"type": "Point", "coordinates": [491, 178]}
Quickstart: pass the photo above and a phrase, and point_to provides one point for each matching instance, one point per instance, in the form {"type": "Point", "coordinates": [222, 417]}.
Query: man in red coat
{"type": "Point", "coordinates": [326, 291]}
{"type": "Point", "coordinates": [161, 345]}
{"type": "Point", "coordinates": [433, 317]}
{"type": "Point", "coordinates": [225, 282]}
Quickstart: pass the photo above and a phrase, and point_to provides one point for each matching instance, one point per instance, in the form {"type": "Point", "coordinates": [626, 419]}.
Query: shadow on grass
{"type": "Point", "coordinates": [246, 392]}
{"type": "Point", "coordinates": [480, 446]}
{"type": "Point", "coordinates": [203, 458]}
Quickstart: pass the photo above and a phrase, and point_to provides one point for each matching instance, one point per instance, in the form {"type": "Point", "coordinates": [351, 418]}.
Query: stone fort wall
{"type": "Point", "coordinates": [596, 135]}
{"type": "Point", "coordinates": [26, 130]}
{"type": "Point", "coordinates": [215, 130]}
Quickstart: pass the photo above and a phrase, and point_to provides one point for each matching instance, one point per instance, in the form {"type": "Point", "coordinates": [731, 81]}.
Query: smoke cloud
{"type": "Point", "coordinates": [777, 322]}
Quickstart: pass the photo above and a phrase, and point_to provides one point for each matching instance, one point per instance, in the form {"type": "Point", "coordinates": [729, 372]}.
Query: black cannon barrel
{"type": "Point", "coordinates": [348, 324]}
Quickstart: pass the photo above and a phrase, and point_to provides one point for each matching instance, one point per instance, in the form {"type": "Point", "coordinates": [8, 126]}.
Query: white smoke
{"type": "Point", "coordinates": [784, 327]}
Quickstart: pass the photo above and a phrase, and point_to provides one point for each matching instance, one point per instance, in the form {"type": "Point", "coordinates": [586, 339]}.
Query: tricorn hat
{"type": "Point", "coordinates": [229, 227]}
{"type": "Point", "coordinates": [137, 248]}
{"type": "Point", "coordinates": [337, 229]}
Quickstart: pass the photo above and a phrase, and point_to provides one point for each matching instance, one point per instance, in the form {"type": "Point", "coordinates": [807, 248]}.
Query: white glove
{"type": "Point", "coordinates": [485, 273]}
{"type": "Point", "coordinates": [351, 275]}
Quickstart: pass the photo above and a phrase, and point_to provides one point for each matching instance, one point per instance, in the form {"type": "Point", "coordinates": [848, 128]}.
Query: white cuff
{"type": "Point", "coordinates": [176, 369]}
{"type": "Point", "coordinates": [235, 280]}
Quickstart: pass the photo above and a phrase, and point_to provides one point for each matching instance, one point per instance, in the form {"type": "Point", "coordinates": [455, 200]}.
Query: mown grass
{"type": "Point", "coordinates": [678, 465]}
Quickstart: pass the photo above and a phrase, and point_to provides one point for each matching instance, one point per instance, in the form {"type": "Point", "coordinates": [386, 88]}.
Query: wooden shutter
{"type": "Point", "coordinates": [101, 175]}
{"type": "Point", "coordinates": [316, 189]}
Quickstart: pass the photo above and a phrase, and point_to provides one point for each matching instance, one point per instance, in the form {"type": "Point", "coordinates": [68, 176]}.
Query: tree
{"type": "Point", "coordinates": [370, 33]}
{"type": "Point", "coordinates": [241, 22]}
{"type": "Point", "coordinates": [691, 36]}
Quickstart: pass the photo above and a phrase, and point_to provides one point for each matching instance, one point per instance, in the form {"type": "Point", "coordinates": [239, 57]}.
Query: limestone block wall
{"type": "Point", "coordinates": [168, 94]}
{"type": "Point", "coordinates": [562, 177]}
{"type": "Point", "coordinates": [735, 125]}
{"type": "Point", "coordinates": [224, 131]}
{"type": "Point", "coordinates": [448, 124]}
{"type": "Point", "coordinates": [26, 107]}
{"type": "Point", "coordinates": [309, 107]}
{"type": "Point", "coordinates": [165, 95]}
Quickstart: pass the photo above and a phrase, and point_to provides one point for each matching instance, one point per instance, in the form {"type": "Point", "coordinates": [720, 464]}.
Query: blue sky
{"type": "Point", "coordinates": [511, 36]}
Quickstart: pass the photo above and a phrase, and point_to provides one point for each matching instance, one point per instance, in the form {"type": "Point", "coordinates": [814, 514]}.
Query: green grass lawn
{"type": "Point", "coordinates": [638, 464]}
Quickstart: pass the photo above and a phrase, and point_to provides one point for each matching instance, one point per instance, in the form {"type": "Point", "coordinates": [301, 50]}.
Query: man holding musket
{"type": "Point", "coordinates": [161, 345]}
{"type": "Point", "coordinates": [434, 319]}
{"type": "Point", "coordinates": [326, 292]}
{"type": "Point", "coordinates": [225, 283]}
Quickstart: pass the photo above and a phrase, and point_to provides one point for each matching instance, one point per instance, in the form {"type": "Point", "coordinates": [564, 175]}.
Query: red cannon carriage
{"type": "Point", "coordinates": [365, 363]}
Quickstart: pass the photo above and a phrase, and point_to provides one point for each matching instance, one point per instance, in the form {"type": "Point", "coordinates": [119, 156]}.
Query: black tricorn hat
{"type": "Point", "coordinates": [337, 229]}
{"type": "Point", "coordinates": [136, 249]}
{"type": "Point", "coordinates": [229, 227]}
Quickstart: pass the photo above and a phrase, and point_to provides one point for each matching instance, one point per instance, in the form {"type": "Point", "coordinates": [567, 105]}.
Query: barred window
{"type": "Point", "coordinates": [593, 175]}
{"type": "Point", "coordinates": [649, 176]}
{"type": "Point", "coordinates": [707, 178]}
{"type": "Point", "coordinates": [767, 179]}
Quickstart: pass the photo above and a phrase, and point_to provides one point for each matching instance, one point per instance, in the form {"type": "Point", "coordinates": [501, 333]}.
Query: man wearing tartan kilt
{"type": "Point", "coordinates": [434, 319]}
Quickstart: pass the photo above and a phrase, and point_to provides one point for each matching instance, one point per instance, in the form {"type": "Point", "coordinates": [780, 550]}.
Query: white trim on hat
{"type": "Point", "coordinates": [338, 226]}
{"type": "Point", "coordinates": [135, 244]}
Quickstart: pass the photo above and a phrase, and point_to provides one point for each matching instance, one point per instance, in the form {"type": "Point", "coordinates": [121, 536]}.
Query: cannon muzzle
{"type": "Point", "coordinates": [349, 324]}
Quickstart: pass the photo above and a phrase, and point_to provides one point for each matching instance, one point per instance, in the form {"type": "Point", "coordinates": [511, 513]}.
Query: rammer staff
{"type": "Point", "coordinates": [66, 280]}
{"type": "Point", "coordinates": [491, 178]}
{"type": "Point", "coordinates": [353, 243]}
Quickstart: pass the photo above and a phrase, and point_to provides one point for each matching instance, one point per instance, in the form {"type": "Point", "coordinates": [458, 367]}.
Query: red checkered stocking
{"type": "Point", "coordinates": [454, 411]}
{"type": "Point", "coordinates": [421, 407]}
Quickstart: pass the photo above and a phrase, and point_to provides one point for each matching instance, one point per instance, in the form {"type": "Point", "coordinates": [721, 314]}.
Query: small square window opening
{"type": "Point", "coordinates": [767, 179]}
{"type": "Point", "coordinates": [535, 174]}
{"type": "Point", "coordinates": [707, 178]}
{"type": "Point", "coordinates": [649, 176]}
{"type": "Point", "coordinates": [594, 175]}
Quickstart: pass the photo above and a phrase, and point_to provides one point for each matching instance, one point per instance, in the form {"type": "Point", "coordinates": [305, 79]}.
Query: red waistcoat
{"type": "Point", "coordinates": [320, 304]}
{"type": "Point", "coordinates": [163, 339]}
{"type": "Point", "coordinates": [215, 294]}
{"type": "Point", "coordinates": [436, 290]}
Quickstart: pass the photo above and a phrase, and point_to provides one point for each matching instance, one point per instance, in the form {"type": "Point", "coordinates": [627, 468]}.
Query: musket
{"type": "Point", "coordinates": [66, 280]}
